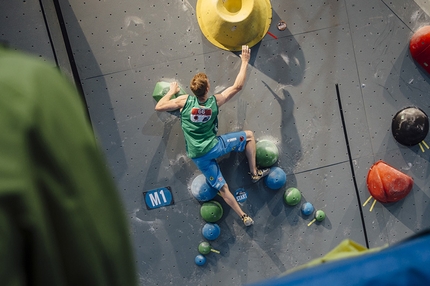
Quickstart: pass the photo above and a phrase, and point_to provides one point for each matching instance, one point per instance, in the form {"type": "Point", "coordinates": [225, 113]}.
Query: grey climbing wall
{"type": "Point", "coordinates": [23, 27]}
{"type": "Point", "coordinates": [390, 80]}
{"type": "Point", "coordinates": [324, 91]}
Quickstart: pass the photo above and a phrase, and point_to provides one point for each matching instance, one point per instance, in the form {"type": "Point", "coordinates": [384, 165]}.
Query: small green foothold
{"type": "Point", "coordinates": [292, 196]}
{"type": "Point", "coordinates": [320, 215]}
{"type": "Point", "coordinates": [205, 248]}
{"type": "Point", "coordinates": [161, 88]}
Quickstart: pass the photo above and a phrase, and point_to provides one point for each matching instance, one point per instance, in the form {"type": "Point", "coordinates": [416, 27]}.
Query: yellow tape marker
{"type": "Point", "coordinates": [365, 203]}
{"type": "Point", "coordinates": [309, 224]}
{"type": "Point", "coordinates": [421, 146]}
{"type": "Point", "coordinates": [371, 208]}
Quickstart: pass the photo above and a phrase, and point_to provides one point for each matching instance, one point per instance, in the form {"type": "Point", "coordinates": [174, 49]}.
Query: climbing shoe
{"type": "Point", "coordinates": [247, 220]}
{"type": "Point", "coordinates": [260, 174]}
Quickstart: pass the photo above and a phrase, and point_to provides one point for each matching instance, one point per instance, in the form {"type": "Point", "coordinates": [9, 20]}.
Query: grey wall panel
{"type": "Point", "coordinates": [23, 27]}
{"type": "Point", "coordinates": [413, 13]}
{"type": "Point", "coordinates": [305, 16]}
{"type": "Point", "coordinates": [390, 79]}
{"type": "Point", "coordinates": [136, 34]}
{"type": "Point", "coordinates": [304, 71]}
{"type": "Point", "coordinates": [125, 35]}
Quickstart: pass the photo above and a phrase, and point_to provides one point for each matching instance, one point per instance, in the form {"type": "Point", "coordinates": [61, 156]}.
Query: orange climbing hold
{"type": "Point", "coordinates": [386, 184]}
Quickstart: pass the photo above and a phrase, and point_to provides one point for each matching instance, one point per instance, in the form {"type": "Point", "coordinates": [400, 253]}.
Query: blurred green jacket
{"type": "Point", "coordinates": [61, 218]}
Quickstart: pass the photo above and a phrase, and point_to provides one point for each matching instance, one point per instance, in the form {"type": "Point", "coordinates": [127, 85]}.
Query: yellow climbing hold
{"type": "Point", "coordinates": [229, 24]}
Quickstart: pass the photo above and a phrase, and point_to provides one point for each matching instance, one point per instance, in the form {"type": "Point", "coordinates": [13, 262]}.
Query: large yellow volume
{"type": "Point", "coordinates": [229, 24]}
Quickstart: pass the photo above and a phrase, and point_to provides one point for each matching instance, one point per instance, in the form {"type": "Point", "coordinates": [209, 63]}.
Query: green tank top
{"type": "Point", "coordinates": [200, 125]}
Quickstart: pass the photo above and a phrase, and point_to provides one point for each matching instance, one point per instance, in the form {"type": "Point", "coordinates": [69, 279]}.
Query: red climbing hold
{"type": "Point", "coordinates": [419, 47]}
{"type": "Point", "coordinates": [386, 184]}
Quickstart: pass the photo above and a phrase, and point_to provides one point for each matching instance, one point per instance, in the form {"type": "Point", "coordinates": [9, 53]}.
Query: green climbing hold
{"type": "Point", "coordinates": [266, 154]}
{"type": "Point", "coordinates": [211, 211]}
{"type": "Point", "coordinates": [206, 248]}
{"type": "Point", "coordinates": [292, 196]}
{"type": "Point", "coordinates": [320, 215]}
{"type": "Point", "coordinates": [161, 88]}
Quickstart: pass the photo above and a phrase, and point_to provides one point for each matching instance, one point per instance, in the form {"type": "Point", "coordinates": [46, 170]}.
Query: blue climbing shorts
{"type": "Point", "coordinates": [207, 164]}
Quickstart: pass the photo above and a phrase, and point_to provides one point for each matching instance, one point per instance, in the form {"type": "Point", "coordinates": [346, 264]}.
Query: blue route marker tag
{"type": "Point", "coordinates": [158, 198]}
{"type": "Point", "coordinates": [241, 195]}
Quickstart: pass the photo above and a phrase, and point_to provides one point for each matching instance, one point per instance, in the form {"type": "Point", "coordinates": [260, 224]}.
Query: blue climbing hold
{"type": "Point", "coordinates": [200, 260]}
{"type": "Point", "coordinates": [276, 178]}
{"type": "Point", "coordinates": [211, 231]}
{"type": "Point", "coordinates": [201, 190]}
{"type": "Point", "coordinates": [307, 209]}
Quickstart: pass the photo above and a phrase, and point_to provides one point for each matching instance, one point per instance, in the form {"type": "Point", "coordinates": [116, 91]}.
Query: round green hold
{"type": "Point", "coordinates": [292, 196]}
{"type": "Point", "coordinates": [320, 215]}
{"type": "Point", "coordinates": [205, 247]}
{"type": "Point", "coordinates": [266, 153]}
{"type": "Point", "coordinates": [211, 211]}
